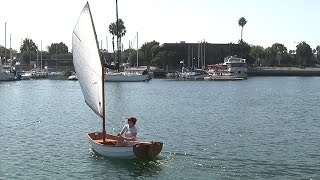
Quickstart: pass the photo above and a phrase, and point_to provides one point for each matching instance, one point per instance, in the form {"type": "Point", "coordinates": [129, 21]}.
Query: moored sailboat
{"type": "Point", "coordinates": [126, 75]}
{"type": "Point", "coordinates": [6, 76]}
{"type": "Point", "coordinates": [90, 73]}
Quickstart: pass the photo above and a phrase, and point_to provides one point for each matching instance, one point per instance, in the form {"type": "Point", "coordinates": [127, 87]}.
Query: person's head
{"type": "Point", "coordinates": [132, 120]}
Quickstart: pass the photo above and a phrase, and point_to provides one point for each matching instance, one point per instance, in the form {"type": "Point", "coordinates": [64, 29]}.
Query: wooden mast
{"type": "Point", "coordinates": [102, 83]}
{"type": "Point", "coordinates": [103, 103]}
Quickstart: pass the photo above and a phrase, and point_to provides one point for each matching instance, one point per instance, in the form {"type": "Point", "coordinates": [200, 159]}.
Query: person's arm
{"type": "Point", "coordinates": [123, 130]}
{"type": "Point", "coordinates": [133, 138]}
{"type": "Point", "coordinates": [121, 133]}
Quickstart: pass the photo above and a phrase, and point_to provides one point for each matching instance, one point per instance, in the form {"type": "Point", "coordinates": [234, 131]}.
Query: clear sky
{"type": "Point", "coordinates": [166, 21]}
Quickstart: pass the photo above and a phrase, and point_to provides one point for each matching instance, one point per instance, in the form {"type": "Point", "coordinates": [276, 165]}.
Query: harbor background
{"type": "Point", "coordinates": [259, 128]}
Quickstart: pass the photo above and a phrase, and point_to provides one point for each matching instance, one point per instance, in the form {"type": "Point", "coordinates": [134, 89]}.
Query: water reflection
{"type": "Point", "coordinates": [124, 168]}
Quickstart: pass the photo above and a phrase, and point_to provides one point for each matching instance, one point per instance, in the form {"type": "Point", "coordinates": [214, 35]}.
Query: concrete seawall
{"type": "Point", "coordinates": [283, 71]}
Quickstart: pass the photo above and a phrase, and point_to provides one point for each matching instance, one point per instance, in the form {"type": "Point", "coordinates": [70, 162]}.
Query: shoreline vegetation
{"type": "Point", "coordinates": [170, 55]}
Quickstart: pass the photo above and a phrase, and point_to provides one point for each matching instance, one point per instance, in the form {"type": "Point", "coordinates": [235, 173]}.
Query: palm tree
{"type": "Point", "coordinates": [113, 30]}
{"type": "Point", "coordinates": [242, 21]}
{"type": "Point", "coordinates": [117, 29]}
{"type": "Point", "coordinates": [318, 52]}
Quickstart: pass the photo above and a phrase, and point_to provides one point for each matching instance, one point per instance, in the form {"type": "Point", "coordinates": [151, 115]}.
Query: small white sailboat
{"type": "Point", "coordinates": [90, 73]}
{"type": "Point", "coordinates": [73, 77]}
{"type": "Point", "coordinates": [126, 77]}
{"type": "Point", "coordinates": [26, 76]}
{"type": "Point", "coordinates": [56, 75]}
{"type": "Point", "coordinates": [38, 73]}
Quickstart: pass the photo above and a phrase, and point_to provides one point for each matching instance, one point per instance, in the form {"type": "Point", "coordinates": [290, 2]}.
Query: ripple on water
{"type": "Point", "coordinates": [253, 129]}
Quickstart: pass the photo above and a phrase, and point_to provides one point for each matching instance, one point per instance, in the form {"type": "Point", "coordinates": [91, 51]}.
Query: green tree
{"type": "Point", "coordinates": [280, 51]}
{"type": "Point", "coordinates": [279, 48]}
{"type": "Point", "coordinates": [277, 55]}
{"type": "Point", "coordinates": [244, 52]}
{"type": "Point", "coordinates": [46, 55]}
{"type": "Point", "coordinates": [28, 51]}
{"type": "Point", "coordinates": [304, 54]}
{"type": "Point", "coordinates": [28, 45]}
{"type": "Point", "coordinates": [287, 60]}
{"type": "Point", "coordinates": [290, 51]}
{"type": "Point", "coordinates": [160, 59]}
{"type": "Point", "coordinates": [27, 56]}
{"type": "Point", "coordinates": [270, 56]}
{"type": "Point", "coordinates": [318, 52]}
{"type": "Point", "coordinates": [155, 50]}
{"type": "Point", "coordinates": [58, 48]}
{"type": "Point", "coordinates": [258, 53]}
{"type": "Point", "coordinates": [166, 58]}
{"type": "Point", "coordinates": [150, 50]}
{"type": "Point", "coordinates": [3, 52]}
{"type": "Point", "coordinates": [242, 21]}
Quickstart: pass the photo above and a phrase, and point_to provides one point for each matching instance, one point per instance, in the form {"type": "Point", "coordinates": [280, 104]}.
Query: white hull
{"type": "Point", "coordinates": [110, 148]}
{"type": "Point", "coordinates": [56, 76]}
{"type": "Point", "coordinates": [126, 77]}
{"type": "Point", "coordinates": [224, 78]}
{"type": "Point", "coordinates": [39, 74]}
{"type": "Point", "coordinates": [187, 75]}
{"type": "Point", "coordinates": [233, 68]}
{"type": "Point", "coordinates": [26, 76]}
{"type": "Point", "coordinates": [72, 77]}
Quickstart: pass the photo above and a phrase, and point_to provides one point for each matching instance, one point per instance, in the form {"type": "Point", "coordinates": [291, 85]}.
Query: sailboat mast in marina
{"type": "Point", "coordinates": [90, 71]}
{"type": "Point", "coordinates": [137, 51]}
{"type": "Point", "coordinates": [118, 38]}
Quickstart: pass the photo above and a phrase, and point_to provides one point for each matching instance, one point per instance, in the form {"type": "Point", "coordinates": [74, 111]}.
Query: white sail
{"type": "Point", "coordinates": [87, 62]}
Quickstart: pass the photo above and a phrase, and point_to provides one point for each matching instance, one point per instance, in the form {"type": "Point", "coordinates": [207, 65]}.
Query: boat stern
{"type": "Point", "coordinates": [147, 150]}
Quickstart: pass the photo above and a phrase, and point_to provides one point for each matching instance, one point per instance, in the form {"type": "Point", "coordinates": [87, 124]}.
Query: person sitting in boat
{"type": "Point", "coordinates": [128, 133]}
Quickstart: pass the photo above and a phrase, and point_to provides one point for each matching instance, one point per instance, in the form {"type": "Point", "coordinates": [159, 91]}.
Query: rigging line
{"type": "Point", "coordinates": [134, 40]}
{"type": "Point", "coordinates": [117, 123]}
{"type": "Point", "coordinates": [112, 128]}
{"type": "Point", "coordinates": [77, 36]}
{"type": "Point", "coordinates": [93, 70]}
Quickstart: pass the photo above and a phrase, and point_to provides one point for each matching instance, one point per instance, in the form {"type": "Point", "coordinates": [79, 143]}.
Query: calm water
{"type": "Point", "coordinates": [260, 128]}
